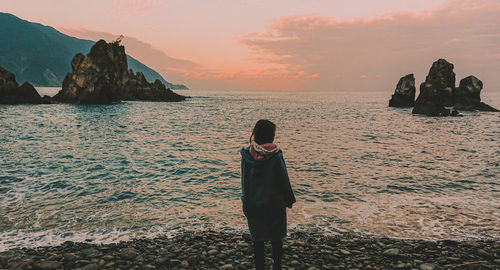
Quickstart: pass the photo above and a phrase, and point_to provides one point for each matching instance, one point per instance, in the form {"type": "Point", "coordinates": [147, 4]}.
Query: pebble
{"type": "Point", "coordinates": [108, 257]}
{"type": "Point", "coordinates": [345, 252]}
{"type": "Point", "coordinates": [226, 267]}
{"type": "Point", "coordinates": [47, 265]}
{"type": "Point", "coordinates": [483, 253]}
{"type": "Point", "coordinates": [212, 252]}
{"type": "Point", "coordinates": [71, 257]}
{"type": "Point", "coordinates": [427, 266]}
{"type": "Point", "coordinates": [128, 253]}
{"type": "Point", "coordinates": [90, 253]}
{"type": "Point", "coordinates": [196, 250]}
{"type": "Point", "coordinates": [391, 252]}
{"type": "Point", "coordinates": [91, 266]}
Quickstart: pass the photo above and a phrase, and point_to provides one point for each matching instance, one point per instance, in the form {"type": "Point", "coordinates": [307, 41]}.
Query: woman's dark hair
{"type": "Point", "coordinates": [263, 132]}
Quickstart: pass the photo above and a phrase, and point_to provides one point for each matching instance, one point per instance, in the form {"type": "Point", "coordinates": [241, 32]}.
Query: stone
{"type": "Point", "coordinates": [47, 265]}
{"type": "Point", "coordinates": [392, 252]}
{"type": "Point", "coordinates": [184, 264]}
{"type": "Point", "coordinates": [226, 267]}
{"type": "Point", "coordinates": [212, 252]}
{"type": "Point", "coordinates": [427, 266]}
{"type": "Point", "coordinates": [128, 253]}
{"type": "Point", "coordinates": [404, 95]}
{"type": "Point", "coordinates": [483, 253]}
{"type": "Point", "coordinates": [345, 252]}
{"type": "Point", "coordinates": [12, 93]}
{"type": "Point", "coordinates": [436, 91]}
{"type": "Point", "coordinates": [294, 263]}
{"type": "Point", "coordinates": [71, 257]}
{"type": "Point", "coordinates": [467, 96]}
{"type": "Point", "coordinates": [103, 77]}
{"type": "Point", "coordinates": [90, 253]}
{"type": "Point", "coordinates": [108, 257]}
{"type": "Point", "coordinates": [91, 266]}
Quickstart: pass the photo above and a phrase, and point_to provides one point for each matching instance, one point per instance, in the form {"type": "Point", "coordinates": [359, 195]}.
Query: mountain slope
{"type": "Point", "coordinates": [42, 55]}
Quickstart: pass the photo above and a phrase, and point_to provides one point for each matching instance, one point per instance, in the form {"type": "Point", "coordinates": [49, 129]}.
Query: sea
{"type": "Point", "coordinates": [110, 173]}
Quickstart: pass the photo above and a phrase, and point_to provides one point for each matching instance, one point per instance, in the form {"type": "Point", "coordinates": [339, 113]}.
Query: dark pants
{"type": "Point", "coordinates": [258, 249]}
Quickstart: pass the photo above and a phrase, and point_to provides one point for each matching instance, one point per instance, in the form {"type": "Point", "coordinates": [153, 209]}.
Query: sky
{"type": "Point", "coordinates": [355, 45]}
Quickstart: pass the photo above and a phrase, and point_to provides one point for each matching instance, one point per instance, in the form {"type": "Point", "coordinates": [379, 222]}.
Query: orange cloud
{"type": "Point", "coordinates": [313, 76]}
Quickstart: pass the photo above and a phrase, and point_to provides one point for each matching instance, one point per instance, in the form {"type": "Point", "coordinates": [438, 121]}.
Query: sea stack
{"type": "Point", "coordinates": [436, 92]}
{"type": "Point", "coordinates": [404, 95]}
{"type": "Point", "coordinates": [467, 96]}
{"type": "Point", "coordinates": [103, 77]}
{"type": "Point", "coordinates": [12, 93]}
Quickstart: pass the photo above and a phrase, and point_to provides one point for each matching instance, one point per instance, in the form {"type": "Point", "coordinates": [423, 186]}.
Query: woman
{"type": "Point", "coordinates": [266, 191]}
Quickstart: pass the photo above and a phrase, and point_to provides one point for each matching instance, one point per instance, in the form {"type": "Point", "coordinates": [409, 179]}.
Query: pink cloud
{"type": "Point", "coordinates": [228, 75]}
{"type": "Point", "coordinates": [125, 8]}
{"type": "Point", "coordinates": [465, 32]}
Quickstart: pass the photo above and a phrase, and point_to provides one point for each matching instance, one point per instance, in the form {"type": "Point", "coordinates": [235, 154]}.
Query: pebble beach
{"type": "Point", "coordinates": [231, 250]}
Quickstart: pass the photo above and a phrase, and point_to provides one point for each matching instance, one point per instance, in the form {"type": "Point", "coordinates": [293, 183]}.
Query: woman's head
{"type": "Point", "coordinates": [263, 132]}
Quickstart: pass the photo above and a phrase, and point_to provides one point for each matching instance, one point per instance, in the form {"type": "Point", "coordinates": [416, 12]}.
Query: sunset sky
{"type": "Point", "coordinates": [288, 44]}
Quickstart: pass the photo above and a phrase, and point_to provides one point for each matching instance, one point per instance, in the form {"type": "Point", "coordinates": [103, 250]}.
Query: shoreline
{"type": "Point", "coordinates": [229, 250]}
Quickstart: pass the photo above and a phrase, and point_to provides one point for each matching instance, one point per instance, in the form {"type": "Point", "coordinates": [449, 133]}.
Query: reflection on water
{"type": "Point", "coordinates": [135, 169]}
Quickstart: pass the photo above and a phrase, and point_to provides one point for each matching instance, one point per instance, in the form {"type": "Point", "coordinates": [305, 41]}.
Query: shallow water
{"type": "Point", "coordinates": [116, 172]}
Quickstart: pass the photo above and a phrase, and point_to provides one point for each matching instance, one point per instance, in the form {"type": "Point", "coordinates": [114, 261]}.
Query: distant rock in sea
{"type": "Point", "coordinates": [404, 95]}
{"type": "Point", "coordinates": [12, 93]}
{"type": "Point", "coordinates": [103, 77]}
{"type": "Point", "coordinates": [436, 91]}
{"type": "Point", "coordinates": [438, 94]}
{"type": "Point", "coordinates": [467, 96]}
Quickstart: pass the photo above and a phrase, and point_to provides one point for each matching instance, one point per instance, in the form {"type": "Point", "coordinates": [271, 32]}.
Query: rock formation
{"type": "Point", "coordinates": [436, 91]}
{"type": "Point", "coordinates": [12, 93]}
{"type": "Point", "coordinates": [103, 77]}
{"type": "Point", "coordinates": [467, 96]}
{"type": "Point", "coordinates": [404, 95]}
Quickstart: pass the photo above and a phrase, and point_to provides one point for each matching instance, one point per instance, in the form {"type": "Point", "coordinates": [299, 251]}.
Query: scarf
{"type": "Point", "coordinates": [263, 151]}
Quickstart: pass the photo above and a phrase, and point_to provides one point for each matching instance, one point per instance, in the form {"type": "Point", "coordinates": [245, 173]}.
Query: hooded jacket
{"type": "Point", "coordinates": [266, 191]}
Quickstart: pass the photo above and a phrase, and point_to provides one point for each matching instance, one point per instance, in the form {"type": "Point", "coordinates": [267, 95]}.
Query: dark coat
{"type": "Point", "coordinates": [266, 191]}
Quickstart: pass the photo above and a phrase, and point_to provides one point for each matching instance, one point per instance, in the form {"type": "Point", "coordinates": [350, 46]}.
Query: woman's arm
{"type": "Point", "coordinates": [287, 187]}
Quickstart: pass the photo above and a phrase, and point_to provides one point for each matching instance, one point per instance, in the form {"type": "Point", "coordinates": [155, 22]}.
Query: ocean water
{"type": "Point", "coordinates": [140, 169]}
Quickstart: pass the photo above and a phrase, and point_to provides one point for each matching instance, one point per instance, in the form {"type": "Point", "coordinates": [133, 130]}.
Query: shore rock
{"type": "Point", "coordinates": [12, 93]}
{"type": "Point", "coordinates": [436, 91]}
{"type": "Point", "coordinates": [103, 77]}
{"type": "Point", "coordinates": [467, 96]}
{"type": "Point", "coordinates": [404, 95]}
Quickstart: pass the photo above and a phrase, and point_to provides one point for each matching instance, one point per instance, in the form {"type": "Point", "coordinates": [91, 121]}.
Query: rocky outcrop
{"type": "Point", "coordinates": [12, 93]}
{"type": "Point", "coordinates": [404, 95]}
{"type": "Point", "coordinates": [103, 77]}
{"type": "Point", "coordinates": [439, 96]}
{"type": "Point", "coordinates": [467, 96]}
{"type": "Point", "coordinates": [436, 92]}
